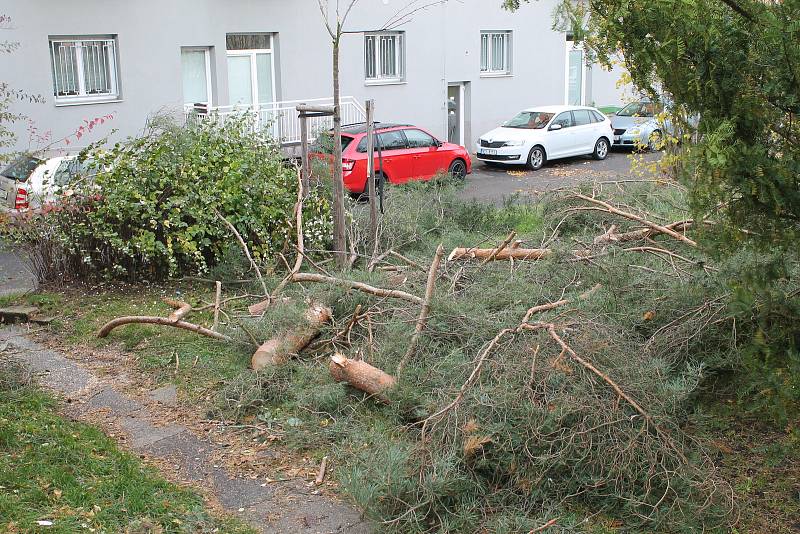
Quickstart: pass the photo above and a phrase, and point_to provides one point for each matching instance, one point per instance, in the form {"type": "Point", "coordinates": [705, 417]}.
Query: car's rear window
{"type": "Point", "coordinates": [21, 168]}
{"type": "Point", "coordinates": [324, 143]}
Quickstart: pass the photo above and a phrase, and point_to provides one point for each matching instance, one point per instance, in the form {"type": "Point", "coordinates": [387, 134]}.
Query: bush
{"type": "Point", "coordinates": [150, 211]}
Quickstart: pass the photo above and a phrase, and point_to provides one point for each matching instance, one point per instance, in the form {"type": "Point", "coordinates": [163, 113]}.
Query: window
{"type": "Point", "coordinates": [564, 119]}
{"type": "Point", "coordinates": [529, 120]}
{"type": "Point", "coordinates": [196, 74]}
{"type": "Point", "coordinates": [384, 57]}
{"type": "Point", "coordinates": [496, 52]}
{"type": "Point", "coordinates": [419, 139]}
{"type": "Point", "coordinates": [394, 140]}
{"type": "Point", "coordinates": [251, 70]}
{"type": "Point", "coordinates": [582, 117]}
{"type": "Point", "coordinates": [597, 116]}
{"type": "Point", "coordinates": [84, 69]}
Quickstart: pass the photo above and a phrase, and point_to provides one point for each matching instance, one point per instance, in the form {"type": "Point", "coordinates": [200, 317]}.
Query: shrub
{"type": "Point", "coordinates": [151, 209]}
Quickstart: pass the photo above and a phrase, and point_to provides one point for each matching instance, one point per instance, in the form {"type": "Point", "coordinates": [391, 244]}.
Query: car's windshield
{"type": "Point", "coordinates": [637, 109]}
{"type": "Point", "coordinates": [21, 168]}
{"type": "Point", "coordinates": [530, 120]}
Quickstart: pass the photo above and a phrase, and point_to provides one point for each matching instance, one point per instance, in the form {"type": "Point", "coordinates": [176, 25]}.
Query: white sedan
{"type": "Point", "coordinates": [539, 134]}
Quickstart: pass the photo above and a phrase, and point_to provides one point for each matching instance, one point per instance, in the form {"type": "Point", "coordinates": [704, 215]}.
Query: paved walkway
{"type": "Point", "coordinates": [276, 508]}
{"type": "Point", "coordinates": [15, 277]}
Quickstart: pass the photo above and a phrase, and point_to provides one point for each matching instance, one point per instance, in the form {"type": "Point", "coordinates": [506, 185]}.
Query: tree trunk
{"type": "Point", "coordinates": [339, 239]}
{"type": "Point", "coordinates": [279, 349]}
{"type": "Point", "coordinates": [373, 208]}
{"type": "Point", "coordinates": [361, 376]}
{"type": "Point", "coordinates": [503, 254]}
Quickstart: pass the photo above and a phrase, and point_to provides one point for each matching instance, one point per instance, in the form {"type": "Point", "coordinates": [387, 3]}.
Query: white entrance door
{"type": "Point", "coordinates": [576, 76]}
{"type": "Point", "coordinates": [251, 83]}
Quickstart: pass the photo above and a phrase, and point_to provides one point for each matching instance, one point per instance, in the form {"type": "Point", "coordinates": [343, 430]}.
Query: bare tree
{"type": "Point", "coordinates": [335, 24]}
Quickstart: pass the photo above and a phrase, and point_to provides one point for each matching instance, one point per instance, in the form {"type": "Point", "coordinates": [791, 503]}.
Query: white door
{"type": "Point", "coordinates": [561, 143]}
{"type": "Point", "coordinates": [575, 93]}
{"type": "Point", "coordinates": [585, 131]}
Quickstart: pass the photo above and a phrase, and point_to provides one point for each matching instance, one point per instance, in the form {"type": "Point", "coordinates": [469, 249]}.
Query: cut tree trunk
{"type": "Point", "coordinates": [361, 376]}
{"type": "Point", "coordinates": [279, 349]}
{"type": "Point", "coordinates": [491, 254]}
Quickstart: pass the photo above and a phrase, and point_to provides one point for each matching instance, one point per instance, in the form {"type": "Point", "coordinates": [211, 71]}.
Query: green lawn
{"type": "Point", "coordinates": [73, 476]}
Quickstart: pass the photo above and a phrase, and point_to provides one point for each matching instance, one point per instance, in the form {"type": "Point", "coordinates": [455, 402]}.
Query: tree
{"type": "Point", "coordinates": [336, 29]}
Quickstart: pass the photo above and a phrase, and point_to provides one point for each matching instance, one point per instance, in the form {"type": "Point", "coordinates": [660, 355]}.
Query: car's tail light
{"type": "Point", "coordinates": [348, 164]}
{"type": "Point", "coordinates": [21, 202]}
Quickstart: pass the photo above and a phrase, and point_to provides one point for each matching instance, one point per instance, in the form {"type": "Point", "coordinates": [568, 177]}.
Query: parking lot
{"type": "Point", "coordinates": [492, 184]}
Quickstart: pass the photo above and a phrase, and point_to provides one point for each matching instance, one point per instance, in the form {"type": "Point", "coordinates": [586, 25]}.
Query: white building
{"type": "Point", "coordinates": [457, 68]}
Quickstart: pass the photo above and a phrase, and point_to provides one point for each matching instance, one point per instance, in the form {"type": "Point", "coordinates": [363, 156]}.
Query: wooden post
{"type": "Point", "coordinates": [373, 198]}
{"type": "Point", "coordinates": [306, 167]}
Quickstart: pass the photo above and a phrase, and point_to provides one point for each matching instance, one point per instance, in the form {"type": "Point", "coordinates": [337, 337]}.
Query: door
{"type": "Point", "coordinates": [251, 84]}
{"type": "Point", "coordinates": [455, 114]}
{"type": "Point", "coordinates": [585, 131]}
{"type": "Point", "coordinates": [397, 164]}
{"type": "Point", "coordinates": [426, 158]}
{"type": "Point", "coordinates": [561, 143]}
{"type": "Point", "coordinates": [576, 76]}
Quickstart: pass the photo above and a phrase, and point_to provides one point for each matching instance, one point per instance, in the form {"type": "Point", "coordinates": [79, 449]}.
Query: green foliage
{"type": "Point", "coordinates": [74, 476]}
{"type": "Point", "coordinates": [151, 209]}
{"type": "Point", "coordinates": [735, 64]}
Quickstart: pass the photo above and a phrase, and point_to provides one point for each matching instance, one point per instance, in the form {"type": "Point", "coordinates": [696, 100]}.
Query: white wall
{"type": "Point", "coordinates": [442, 45]}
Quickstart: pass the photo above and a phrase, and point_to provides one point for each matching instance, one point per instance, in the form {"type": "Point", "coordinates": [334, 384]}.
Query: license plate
{"type": "Point", "coordinates": [487, 151]}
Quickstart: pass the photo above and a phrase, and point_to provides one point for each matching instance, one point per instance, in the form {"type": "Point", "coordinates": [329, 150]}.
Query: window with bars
{"type": "Point", "coordinates": [84, 69]}
{"type": "Point", "coordinates": [384, 57]}
{"type": "Point", "coordinates": [495, 52]}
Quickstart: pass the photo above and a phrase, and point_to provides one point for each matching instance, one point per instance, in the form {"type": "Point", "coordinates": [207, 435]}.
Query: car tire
{"type": "Point", "coordinates": [655, 141]}
{"type": "Point", "coordinates": [458, 169]}
{"type": "Point", "coordinates": [601, 148]}
{"type": "Point", "coordinates": [536, 158]}
{"type": "Point", "coordinates": [364, 195]}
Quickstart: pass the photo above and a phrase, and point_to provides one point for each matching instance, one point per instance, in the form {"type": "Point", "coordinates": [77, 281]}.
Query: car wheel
{"type": "Point", "coordinates": [364, 195]}
{"type": "Point", "coordinates": [600, 149]}
{"type": "Point", "coordinates": [536, 158]}
{"type": "Point", "coordinates": [655, 142]}
{"type": "Point", "coordinates": [458, 169]}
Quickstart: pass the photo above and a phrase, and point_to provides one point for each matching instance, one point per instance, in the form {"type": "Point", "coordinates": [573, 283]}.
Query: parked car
{"type": "Point", "coordinates": [30, 183]}
{"type": "Point", "coordinates": [636, 125]}
{"type": "Point", "coordinates": [406, 153]}
{"type": "Point", "coordinates": [539, 134]}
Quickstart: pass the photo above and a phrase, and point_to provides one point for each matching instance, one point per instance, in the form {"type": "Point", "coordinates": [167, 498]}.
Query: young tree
{"type": "Point", "coordinates": [335, 20]}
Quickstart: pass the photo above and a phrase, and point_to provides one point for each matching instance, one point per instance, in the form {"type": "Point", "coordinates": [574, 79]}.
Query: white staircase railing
{"type": "Point", "coordinates": [280, 119]}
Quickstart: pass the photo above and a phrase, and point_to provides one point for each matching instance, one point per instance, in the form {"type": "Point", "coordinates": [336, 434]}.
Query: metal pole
{"type": "Point", "coordinates": [373, 209]}
{"type": "Point", "coordinates": [305, 171]}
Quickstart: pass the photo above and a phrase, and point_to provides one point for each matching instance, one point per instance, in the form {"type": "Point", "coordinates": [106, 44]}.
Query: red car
{"type": "Point", "coordinates": [406, 153]}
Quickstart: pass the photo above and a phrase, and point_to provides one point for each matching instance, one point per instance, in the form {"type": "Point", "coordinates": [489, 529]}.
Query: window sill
{"type": "Point", "coordinates": [497, 75]}
{"type": "Point", "coordinates": [384, 82]}
{"type": "Point", "coordinates": [79, 102]}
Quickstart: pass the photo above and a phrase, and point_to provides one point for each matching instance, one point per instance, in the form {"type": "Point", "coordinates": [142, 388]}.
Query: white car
{"type": "Point", "coordinates": [29, 183]}
{"type": "Point", "coordinates": [539, 134]}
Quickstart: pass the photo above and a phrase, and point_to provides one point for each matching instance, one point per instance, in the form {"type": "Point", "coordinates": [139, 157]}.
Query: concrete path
{"type": "Point", "coordinates": [15, 277]}
{"type": "Point", "coordinates": [286, 507]}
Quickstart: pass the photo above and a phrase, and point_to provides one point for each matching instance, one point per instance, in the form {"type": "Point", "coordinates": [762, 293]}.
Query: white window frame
{"type": "Point", "coordinates": [209, 85]}
{"type": "Point", "coordinates": [254, 74]}
{"type": "Point", "coordinates": [399, 58]}
{"type": "Point", "coordinates": [83, 97]}
{"type": "Point", "coordinates": [508, 40]}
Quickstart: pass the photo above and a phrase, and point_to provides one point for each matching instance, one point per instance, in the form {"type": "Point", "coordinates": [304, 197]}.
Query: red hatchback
{"type": "Point", "coordinates": [406, 153]}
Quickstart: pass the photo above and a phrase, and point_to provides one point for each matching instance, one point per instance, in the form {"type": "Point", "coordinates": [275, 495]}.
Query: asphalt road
{"type": "Point", "coordinates": [492, 184]}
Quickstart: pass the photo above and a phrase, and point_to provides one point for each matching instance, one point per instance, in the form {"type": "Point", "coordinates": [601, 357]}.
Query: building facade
{"type": "Point", "coordinates": [456, 68]}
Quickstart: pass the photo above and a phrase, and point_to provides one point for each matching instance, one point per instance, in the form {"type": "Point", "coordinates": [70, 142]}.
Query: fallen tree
{"type": "Point", "coordinates": [174, 320]}
{"type": "Point", "coordinates": [361, 375]}
{"type": "Point", "coordinates": [280, 348]}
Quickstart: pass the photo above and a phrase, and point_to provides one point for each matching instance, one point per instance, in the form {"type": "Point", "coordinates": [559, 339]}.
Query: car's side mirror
{"type": "Point", "coordinates": [438, 143]}
{"type": "Point", "coordinates": [556, 126]}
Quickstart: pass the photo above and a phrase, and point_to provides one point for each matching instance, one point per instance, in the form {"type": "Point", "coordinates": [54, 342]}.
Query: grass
{"type": "Point", "coordinates": [73, 476]}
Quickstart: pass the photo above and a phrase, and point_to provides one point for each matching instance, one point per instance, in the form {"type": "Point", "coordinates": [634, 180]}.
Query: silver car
{"type": "Point", "coordinates": [636, 125]}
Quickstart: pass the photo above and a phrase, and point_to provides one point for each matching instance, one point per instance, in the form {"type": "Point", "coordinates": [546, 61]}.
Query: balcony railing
{"type": "Point", "coordinates": [279, 119]}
